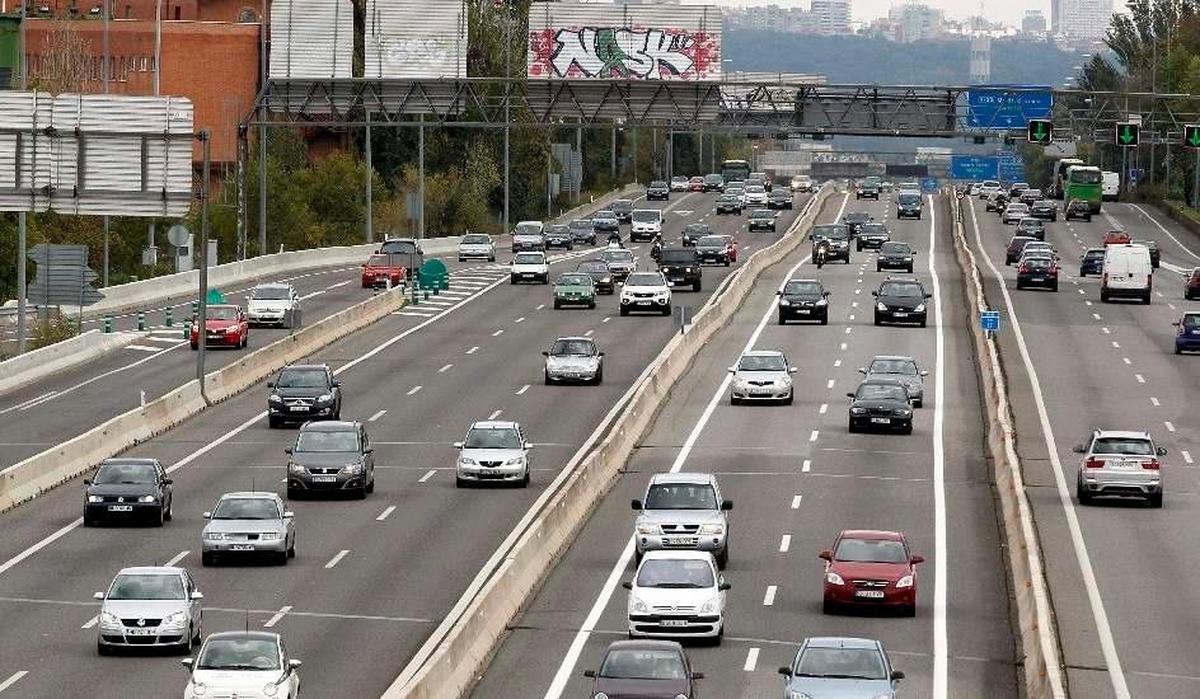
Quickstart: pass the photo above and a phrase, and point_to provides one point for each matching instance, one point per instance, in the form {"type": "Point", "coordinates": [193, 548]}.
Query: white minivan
{"type": "Point", "coordinates": [1127, 273]}
{"type": "Point", "coordinates": [1110, 185]}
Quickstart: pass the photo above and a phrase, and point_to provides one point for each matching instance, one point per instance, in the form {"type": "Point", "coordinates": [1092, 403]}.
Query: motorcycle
{"type": "Point", "coordinates": [614, 241]}
{"type": "Point", "coordinates": [820, 254]}
{"type": "Point", "coordinates": [656, 250]}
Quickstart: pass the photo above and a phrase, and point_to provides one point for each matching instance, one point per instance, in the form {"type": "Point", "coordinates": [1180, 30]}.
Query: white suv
{"type": "Point", "coordinates": [1118, 462]}
{"type": "Point", "coordinates": [529, 266]}
{"type": "Point", "coordinates": [677, 594]}
{"type": "Point", "coordinates": [646, 291]}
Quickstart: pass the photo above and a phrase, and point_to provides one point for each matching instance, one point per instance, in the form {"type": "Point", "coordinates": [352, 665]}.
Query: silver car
{"type": "Point", "coordinates": [574, 359]}
{"type": "Point", "coordinates": [846, 668]}
{"type": "Point", "coordinates": [903, 369]}
{"type": "Point", "coordinates": [149, 607]}
{"type": "Point", "coordinates": [276, 303]}
{"type": "Point", "coordinates": [477, 246]}
{"type": "Point", "coordinates": [248, 524]}
{"type": "Point", "coordinates": [683, 511]}
{"type": "Point", "coordinates": [762, 375]}
{"type": "Point", "coordinates": [493, 451]}
{"type": "Point", "coordinates": [1119, 462]}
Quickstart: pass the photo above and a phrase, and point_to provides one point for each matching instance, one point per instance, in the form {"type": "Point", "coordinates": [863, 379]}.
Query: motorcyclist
{"type": "Point", "coordinates": [614, 240]}
{"type": "Point", "coordinates": [820, 253]}
{"type": "Point", "coordinates": [656, 247]}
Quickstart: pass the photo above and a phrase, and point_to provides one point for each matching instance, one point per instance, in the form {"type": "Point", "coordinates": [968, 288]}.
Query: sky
{"type": "Point", "coordinates": [1010, 12]}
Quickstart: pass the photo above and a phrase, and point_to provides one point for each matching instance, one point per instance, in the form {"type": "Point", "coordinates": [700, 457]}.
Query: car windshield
{"type": "Point", "coordinates": [1132, 446]}
{"type": "Point", "coordinates": [711, 241]}
{"type": "Point", "coordinates": [147, 586]}
{"type": "Point", "coordinates": [1018, 206]}
{"type": "Point", "coordinates": [681, 496]}
{"type": "Point", "coordinates": [492, 438]}
{"type": "Point", "coordinates": [658, 183]}
{"type": "Point", "coordinates": [697, 228]}
{"type": "Point", "coordinates": [728, 196]}
{"type": "Point", "coordinates": [647, 216]}
{"type": "Point", "coordinates": [528, 258]}
{"type": "Point", "coordinates": [832, 232]}
{"type": "Point", "coordinates": [755, 189]}
{"type": "Point", "coordinates": [246, 508]}
{"type": "Point", "coordinates": [581, 224]}
{"type": "Point", "coordinates": [573, 348]}
{"type": "Point", "coordinates": [904, 289]}
{"type": "Point", "coordinates": [1034, 193]}
{"type": "Point", "coordinates": [617, 256]}
{"type": "Point", "coordinates": [1085, 176]}
{"type": "Point", "coordinates": [645, 279]}
{"type": "Point", "coordinates": [643, 664]}
{"type": "Point", "coordinates": [857, 217]}
{"type": "Point", "coordinates": [382, 261]}
{"type": "Point", "coordinates": [317, 441]}
{"type": "Point", "coordinates": [528, 229]}
{"type": "Point", "coordinates": [1038, 262]}
{"type": "Point", "coordinates": [678, 573]}
{"type": "Point", "coordinates": [881, 391]}
{"type": "Point", "coordinates": [677, 256]}
{"type": "Point", "coordinates": [476, 239]}
{"type": "Point", "coordinates": [606, 214]}
{"type": "Point", "coordinates": [905, 367]}
{"type": "Point", "coordinates": [848, 663]}
{"type": "Point", "coordinates": [270, 293]}
{"type": "Point", "coordinates": [222, 313]}
{"type": "Point", "coordinates": [402, 247]}
{"type": "Point", "coordinates": [870, 551]}
{"type": "Point", "coordinates": [303, 378]}
{"type": "Point", "coordinates": [1094, 254]}
{"type": "Point", "coordinates": [803, 288]}
{"type": "Point", "coordinates": [575, 280]}
{"type": "Point", "coordinates": [873, 229]}
{"type": "Point", "coordinates": [125, 474]}
{"type": "Point", "coordinates": [622, 204]}
{"type": "Point", "coordinates": [239, 654]}
{"type": "Point", "coordinates": [909, 198]}
{"type": "Point", "coordinates": [895, 249]}
{"type": "Point", "coordinates": [762, 362]}
{"type": "Point", "coordinates": [762, 213]}
{"type": "Point", "coordinates": [1190, 322]}
{"type": "Point", "coordinates": [593, 267]}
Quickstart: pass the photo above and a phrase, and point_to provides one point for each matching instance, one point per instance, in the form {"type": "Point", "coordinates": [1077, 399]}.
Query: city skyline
{"type": "Point", "coordinates": [867, 10]}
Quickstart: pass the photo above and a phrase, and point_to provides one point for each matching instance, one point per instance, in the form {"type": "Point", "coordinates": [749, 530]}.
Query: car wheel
{"type": "Point", "coordinates": [1155, 500]}
{"type": "Point", "coordinates": [89, 522]}
{"type": "Point", "coordinates": [291, 552]}
{"type": "Point", "coordinates": [790, 399]}
{"type": "Point", "coordinates": [825, 318]}
{"type": "Point", "coordinates": [371, 484]}
{"type": "Point", "coordinates": [208, 558]}
{"type": "Point", "coordinates": [103, 650]}
{"type": "Point", "coordinates": [293, 494]}
{"type": "Point", "coordinates": [156, 519]}
{"type": "Point", "coordinates": [273, 422]}
{"type": "Point", "coordinates": [1146, 299]}
{"type": "Point", "coordinates": [546, 376]}
{"type": "Point", "coordinates": [923, 322]}
{"type": "Point", "coordinates": [624, 311]}
{"type": "Point", "coordinates": [723, 559]}
{"type": "Point", "coordinates": [782, 319]}
{"type": "Point", "coordinates": [1020, 285]}
{"type": "Point", "coordinates": [592, 304]}
{"type": "Point", "coordinates": [878, 268]}
{"type": "Point", "coordinates": [909, 610]}
{"type": "Point", "coordinates": [459, 482]}
{"type": "Point", "coordinates": [727, 262]}
{"type": "Point", "coordinates": [828, 607]}
{"type": "Point", "coordinates": [908, 429]}
{"type": "Point", "coordinates": [170, 513]}
{"type": "Point", "coordinates": [919, 403]}
{"type": "Point", "coordinates": [1103, 296]}
{"type": "Point", "coordinates": [194, 347]}
{"type": "Point", "coordinates": [1082, 495]}
{"type": "Point", "coordinates": [1177, 351]}
{"type": "Point", "coordinates": [525, 480]}
{"type": "Point", "coordinates": [696, 286]}
{"type": "Point", "coordinates": [734, 400]}
{"type": "Point", "coordinates": [599, 379]}
{"type": "Point", "coordinates": [878, 321]}
{"type": "Point", "coordinates": [512, 280]}
{"type": "Point", "coordinates": [1054, 286]}
{"type": "Point", "coordinates": [557, 305]}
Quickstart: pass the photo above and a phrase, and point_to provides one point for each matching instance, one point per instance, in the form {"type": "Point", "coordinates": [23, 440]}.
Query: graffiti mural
{"type": "Point", "coordinates": [623, 53]}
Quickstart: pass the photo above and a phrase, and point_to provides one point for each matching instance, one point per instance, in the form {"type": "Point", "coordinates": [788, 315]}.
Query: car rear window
{"type": "Point", "coordinates": [1132, 446]}
{"type": "Point", "coordinates": [677, 256]}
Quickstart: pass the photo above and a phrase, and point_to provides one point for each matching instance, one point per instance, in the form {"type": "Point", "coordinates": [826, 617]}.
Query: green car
{"type": "Point", "coordinates": [575, 289]}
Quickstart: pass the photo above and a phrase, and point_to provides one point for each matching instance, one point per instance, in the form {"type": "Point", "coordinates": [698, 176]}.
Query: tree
{"type": "Point", "coordinates": [64, 63]}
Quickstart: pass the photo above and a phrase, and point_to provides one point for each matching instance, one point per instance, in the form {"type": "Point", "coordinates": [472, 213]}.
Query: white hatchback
{"type": "Point", "coordinates": [677, 594]}
{"type": "Point", "coordinates": [529, 267]}
{"type": "Point", "coordinates": [244, 664]}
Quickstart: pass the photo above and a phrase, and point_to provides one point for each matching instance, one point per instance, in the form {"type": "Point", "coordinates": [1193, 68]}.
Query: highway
{"type": "Point", "coordinates": [797, 478]}
{"type": "Point", "coordinates": [372, 578]}
{"type": "Point", "coordinates": [1119, 573]}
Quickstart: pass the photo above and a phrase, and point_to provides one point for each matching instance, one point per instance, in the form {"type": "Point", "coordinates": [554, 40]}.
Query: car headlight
{"type": "Point", "coordinates": [467, 461]}
{"type": "Point", "coordinates": [109, 619]}
{"type": "Point", "coordinates": [822, 302]}
{"type": "Point", "coordinates": [833, 578]}
{"type": "Point", "coordinates": [232, 329]}
{"type": "Point", "coordinates": [95, 498]}
{"type": "Point", "coordinates": [908, 258]}
{"type": "Point", "coordinates": [270, 689]}
{"type": "Point", "coordinates": [214, 536]}
{"type": "Point", "coordinates": [600, 695]}
{"type": "Point", "coordinates": [904, 412]}
{"type": "Point", "coordinates": [352, 468]}
{"type": "Point", "coordinates": [920, 308]}
{"type": "Point", "coordinates": [858, 411]}
{"type": "Point", "coordinates": [784, 302]}
{"type": "Point", "coordinates": [297, 469]}
{"type": "Point", "coordinates": [712, 529]}
{"type": "Point", "coordinates": [798, 695]}
{"type": "Point", "coordinates": [906, 581]}
{"type": "Point", "coordinates": [638, 606]}
{"type": "Point", "coordinates": [710, 606]}
{"type": "Point", "coordinates": [274, 398]}
{"type": "Point", "coordinates": [681, 696]}
{"type": "Point", "coordinates": [325, 398]}
{"type": "Point", "coordinates": [647, 529]}
{"type": "Point", "coordinates": [881, 306]}
{"type": "Point", "coordinates": [606, 280]}
{"type": "Point", "coordinates": [199, 689]}
{"type": "Point", "coordinates": [175, 619]}
{"type": "Point", "coordinates": [515, 461]}
{"type": "Point", "coordinates": [687, 269]}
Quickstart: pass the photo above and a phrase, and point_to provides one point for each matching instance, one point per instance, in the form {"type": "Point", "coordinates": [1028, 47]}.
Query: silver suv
{"type": "Point", "coordinates": [683, 511]}
{"type": "Point", "coordinates": [149, 607]}
{"type": "Point", "coordinates": [1119, 462]}
{"type": "Point", "coordinates": [493, 450]}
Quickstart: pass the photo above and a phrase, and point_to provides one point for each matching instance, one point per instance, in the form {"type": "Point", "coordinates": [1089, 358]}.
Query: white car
{"type": "Point", "coordinates": [988, 188]}
{"type": "Point", "coordinates": [150, 607]}
{"type": "Point", "coordinates": [756, 194]}
{"type": "Point", "coordinates": [1127, 273]}
{"type": "Point", "coordinates": [529, 235]}
{"type": "Point", "coordinates": [677, 594]}
{"type": "Point", "coordinates": [478, 246]}
{"type": "Point", "coordinates": [646, 291]}
{"type": "Point", "coordinates": [802, 183]}
{"type": "Point", "coordinates": [645, 224]}
{"type": "Point", "coordinates": [679, 183]}
{"type": "Point", "coordinates": [245, 664]}
{"type": "Point", "coordinates": [529, 267]}
{"type": "Point", "coordinates": [737, 189]}
{"type": "Point", "coordinates": [762, 375]}
{"type": "Point", "coordinates": [1014, 212]}
{"type": "Point", "coordinates": [1110, 185]}
{"type": "Point", "coordinates": [493, 451]}
{"type": "Point", "coordinates": [273, 304]}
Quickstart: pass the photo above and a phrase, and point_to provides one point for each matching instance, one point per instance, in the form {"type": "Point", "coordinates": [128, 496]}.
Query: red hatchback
{"type": "Point", "coordinates": [380, 269]}
{"type": "Point", "coordinates": [1116, 238]}
{"type": "Point", "coordinates": [868, 568]}
{"type": "Point", "coordinates": [696, 184]}
{"type": "Point", "coordinates": [224, 326]}
{"type": "Point", "coordinates": [1191, 287]}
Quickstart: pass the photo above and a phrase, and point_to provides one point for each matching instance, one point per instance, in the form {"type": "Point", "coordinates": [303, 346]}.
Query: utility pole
{"type": "Point", "coordinates": [507, 99]}
{"type": "Point", "coordinates": [262, 133]}
{"type": "Point", "coordinates": [369, 232]}
{"type": "Point", "coordinates": [202, 301]}
{"type": "Point", "coordinates": [421, 185]}
{"type": "Point", "coordinates": [104, 77]}
{"type": "Point", "coordinates": [22, 291]}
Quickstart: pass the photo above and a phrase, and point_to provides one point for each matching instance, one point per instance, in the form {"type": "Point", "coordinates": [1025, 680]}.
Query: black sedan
{"type": "Point", "coordinates": [127, 490]}
{"type": "Point", "coordinates": [895, 255]}
{"type": "Point", "coordinates": [658, 190]}
{"type": "Point", "coordinates": [901, 301]}
{"type": "Point", "coordinates": [714, 249]}
{"type": "Point", "coordinates": [871, 236]}
{"type": "Point", "coordinates": [714, 183]}
{"type": "Point", "coordinates": [1153, 247]}
{"type": "Point", "coordinates": [779, 199]}
{"type": "Point", "coordinates": [1032, 227]}
{"type": "Point", "coordinates": [600, 273]}
{"type": "Point", "coordinates": [558, 235]}
{"type": "Point", "coordinates": [1040, 272]}
{"type": "Point", "coordinates": [1077, 208]}
{"type": "Point", "coordinates": [693, 232]}
{"type": "Point", "coordinates": [803, 299]}
{"type": "Point", "coordinates": [1091, 262]}
{"type": "Point", "coordinates": [729, 204]}
{"type": "Point", "coordinates": [880, 404]}
{"type": "Point", "coordinates": [762, 219]}
{"type": "Point", "coordinates": [1044, 209]}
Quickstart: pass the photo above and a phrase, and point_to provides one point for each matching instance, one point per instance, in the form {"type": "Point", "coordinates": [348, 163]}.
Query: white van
{"type": "Point", "coordinates": [988, 187]}
{"type": "Point", "coordinates": [1110, 185]}
{"type": "Point", "coordinates": [1127, 273]}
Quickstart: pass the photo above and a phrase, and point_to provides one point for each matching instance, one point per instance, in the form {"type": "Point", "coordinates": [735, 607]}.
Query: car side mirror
{"type": "Point", "coordinates": [924, 372]}
{"type": "Point", "coordinates": [825, 555]}
{"type": "Point", "coordinates": [1078, 449]}
{"type": "Point", "coordinates": [793, 370]}
{"type": "Point", "coordinates": [697, 675]}
{"type": "Point", "coordinates": [293, 663]}
{"type": "Point", "coordinates": [187, 663]}
{"type": "Point", "coordinates": [288, 514]}
{"type": "Point", "coordinates": [849, 394]}
{"type": "Point", "coordinates": [731, 370]}
{"type": "Point", "coordinates": [600, 354]}
{"type": "Point", "coordinates": [785, 671]}
{"type": "Point", "coordinates": [545, 354]}
{"type": "Point", "coordinates": [875, 293]}
{"type": "Point", "coordinates": [270, 384]}
{"type": "Point", "coordinates": [589, 673]}
{"type": "Point", "coordinates": [197, 595]}
{"type": "Point", "coordinates": [727, 505]}
{"type": "Point", "coordinates": [779, 293]}
{"type": "Point", "coordinates": [1161, 451]}
{"type": "Point", "coordinates": [458, 445]}
{"type": "Point", "coordinates": [206, 515]}
{"type": "Point", "coordinates": [88, 481]}
{"type": "Point", "coordinates": [862, 370]}
{"type": "Point", "coordinates": [168, 481]}
{"type": "Point", "coordinates": [98, 595]}
{"type": "Point", "coordinates": [928, 296]}
{"type": "Point", "coordinates": [635, 504]}
{"type": "Point", "coordinates": [897, 675]}
{"type": "Point", "coordinates": [724, 586]}
{"type": "Point", "coordinates": [627, 585]}
{"type": "Point", "coordinates": [369, 450]}
{"type": "Point", "coordinates": [337, 384]}
{"type": "Point", "coordinates": [826, 293]}
{"type": "Point", "coordinates": [916, 560]}
{"type": "Point", "coordinates": [288, 450]}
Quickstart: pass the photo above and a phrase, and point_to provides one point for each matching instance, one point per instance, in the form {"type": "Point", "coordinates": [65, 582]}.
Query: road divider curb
{"type": "Point", "coordinates": [1034, 615]}
{"type": "Point", "coordinates": [24, 369]}
{"type": "Point", "coordinates": [455, 655]}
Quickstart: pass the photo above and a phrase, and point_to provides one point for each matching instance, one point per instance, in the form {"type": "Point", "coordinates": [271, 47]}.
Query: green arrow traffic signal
{"type": "Point", "coordinates": [1191, 135]}
{"type": "Point", "coordinates": [1128, 134]}
{"type": "Point", "coordinates": [1039, 131]}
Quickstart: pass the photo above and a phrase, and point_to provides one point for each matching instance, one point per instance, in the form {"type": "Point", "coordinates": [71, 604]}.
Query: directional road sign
{"type": "Point", "coordinates": [1007, 106]}
{"type": "Point", "coordinates": [989, 320]}
{"type": "Point", "coordinates": [1128, 133]}
{"type": "Point", "coordinates": [62, 277]}
{"type": "Point", "coordinates": [974, 167]}
{"type": "Point", "coordinates": [1191, 135]}
{"type": "Point", "coordinates": [55, 255]}
{"type": "Point", "coordinates": [1039, 131]}
{"type": "Point", "coordinates": [1011, 168]}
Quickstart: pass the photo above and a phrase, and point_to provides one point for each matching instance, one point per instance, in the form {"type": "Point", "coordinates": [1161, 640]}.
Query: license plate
{"type": "Point", "coordinates": [881, 420]}
{"type": "Point", "coordinates": [869, 594]}
{"type": "Point", "coordinates": [324, 479]}
{"type": "Point", "coordinates": [679, 541]}
{"type": "Point", "coordinates": [1125, 465]}
{"type": "Point", "coordinates": [1037, 279]}
{"type": "Point", "coordinates": [297, 408]}
{"type": "Point", "coordinates": [803, 311]}
{"type": "Point", "coordinates": [643, 303]}
{"type": "Point", "coordinates": [900, 314]}
{"type": "Point", "coordinates": [242, 547]}
{"type": "Point", "coordinates": [674, 622]}
{"type": "Point", "coordinates": [141, 632]}
{"type": "Point", "coordinates": [120, 508]}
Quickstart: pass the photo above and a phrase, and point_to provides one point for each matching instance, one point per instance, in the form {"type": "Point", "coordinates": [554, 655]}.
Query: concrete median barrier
{"type": "Point", "coordinates": [1032, 610]}
{"type": "Point", "coordinates": [24, 369]}
{"type": "Point", "coordinates": [457, 652]}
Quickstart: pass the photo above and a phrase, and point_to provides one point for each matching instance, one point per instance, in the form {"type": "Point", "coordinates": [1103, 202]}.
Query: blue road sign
{"type": "Point", "coordinates": [929, 184]}
{"type": "Point", "coordinates": [989, 320]}
{"type": "Point", "coordinates": [1135, 175]}
{"type": "Point", "coordinates": [1007, 106]}
{"type": "Point", "coordinates": [974, 167]}
{"type": "Point", "coordinates": [1011, 168]}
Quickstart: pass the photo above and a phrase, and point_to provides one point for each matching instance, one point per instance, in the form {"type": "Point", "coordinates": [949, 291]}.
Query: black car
{"type": "Point", "coordinates": [1016, 246]}
{"type": "Point", "coordinates": [1153, 247]}
{"type": "Point", "coordinates": [836, 237]}
{"type": "Point", "coordinates": [331, 457]}
{"type": "Point", "coordinates": [714, 183]}
{"type": "Point", "coordinates": [854, 220]}
{"type": "Point", "coordinates": [623, 208]}
{"type": "Point", "coordinates": [867, 189]}
{"type": "Point", "coordinates": [558, 235]}
{"type": "Point", "coordinates": [729, 204]}
{"type": "Point", "coordinates": [644, 668]}
{"type": "Point", "coordinates": [895, 255]}
{"type": "Point", "coordinates": [1091, 262]}
{"type": "Point", "coordinates": [803, 299]}
{"type": "Point", "coordinates": [779, 199]}
{"type": "Point", "coordinates": [762, 218]}
{"type": "Point", "coordinates": [303, 392]}
{"type": "Point", "coordinates": [600, 273]}
{"type": "Point", "coordinates": [408, 250]}
{"type": "Point", "coordinates": [715, 249]}
{"type": "Point", "coordinates": [881, 404]}
{"type": "Point", "coordinates": [871, 236]}
{"type": "Point", "coordinates": [901, 301]}
{"type": "Point", "coordinates": [1077, 208]}
{"type": "Point", "coordinates": [127, 490]}
{"type": "Point", "coordinates": [1032, 227]}
{"type": "Point", "coordinates": [583, 231]}
{"type": "Point", "coordinates": [606, 221]}
{"type": "Point", "coordinates": [693, 232]}
{"type": "Point", "coordinates": [908, 205]}
{"type": "Point", "coordinates": [1044, 209]}
{"type": "Point", "coordinates": [1038, 271]}
{"type": "Point", "coordinates": [681, 267]}
{"type": "Point", "coordinates": [658, 190]}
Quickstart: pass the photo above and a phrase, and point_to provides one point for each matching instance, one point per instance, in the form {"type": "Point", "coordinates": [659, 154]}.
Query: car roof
{"type": "Point", "coordinates": [912, 280]}
{"type": "Point", "coordinates": [151, 570]}
{"type": "Point", "coordinates": [1122, 434]}
{"type": "Point", "coordinates": [765, 212]}
{"type": "Point", "coordinates": [682, 477]}
{"type": "Point", "coordinates": [677, 554]}
{"type": "Point", "coordinates": [244, 635]}
{"type": "Point", "coordinates": [494, 425]}
{"type": "Point", "coordinates": [330, 426]}
{"type": "Point", "coordinates": [399, 240]}
{"type": "Point", "coordinates": [841, 642]}
{"type": "Point", "coordinates": [305, 367]}
{"type": "Point", "coordinates": [763, 353]}
{"type": "Point", "coordinates": [128, 460]}
{"type": "Point", "coordinates": [879, 534]}
{"type": "Point", "coordinates": [249, 494]}
{"type": "Point", "coordinates": [567, 338]}
{"type": "Point", "coordinates": [885, 357]}
{"type": "Point", "coordinates": [273, 285]}
{"type": "Point", "coordinates": [804, 279]}
{"type": "Point", "coordinates": [645, 644]}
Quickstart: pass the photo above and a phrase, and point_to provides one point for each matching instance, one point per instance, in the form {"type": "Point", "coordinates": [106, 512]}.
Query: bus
{"type": "Point", "coordinates": [735, 170]}
{"type": "Point", "coordinates": [1083, 182]}
{"type": "Point", "coordinates": [1059, 175]}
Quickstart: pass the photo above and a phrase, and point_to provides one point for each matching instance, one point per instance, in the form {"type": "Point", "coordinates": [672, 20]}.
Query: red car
{"type": "Point", "coordinates": [224, 326]}
{"type": "Point", "coordinates": [1191, 288]}
{"type": "Point", "coordinates": [868, 568]}
{"type": "Point", "coordinates": [380, 268]}
{"type": "Point", "coordinates": [1116, 238]}
{"type": "Point", "coordinates": [696, 184]}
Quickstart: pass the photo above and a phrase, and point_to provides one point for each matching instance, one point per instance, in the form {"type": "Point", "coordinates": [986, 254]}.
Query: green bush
{"type": "Point", "coordinates": [54, 328]}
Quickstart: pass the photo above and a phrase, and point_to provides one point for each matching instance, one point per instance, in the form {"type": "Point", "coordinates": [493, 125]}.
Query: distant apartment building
{"type": "Point", "coordinates": [981, 59]}
{"type": "Point", "coordinates": [916, 22]}
{"type": "Point", "coordinates": [1034, 22]}
{"type": "Point", "coordinates": [831, 16]}
{"type": "Point", "coordinates": [1081, 19]}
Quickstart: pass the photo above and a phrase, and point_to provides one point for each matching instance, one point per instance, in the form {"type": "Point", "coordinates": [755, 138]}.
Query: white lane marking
{"type": "Point", "coordinates": [337, 558]}
{"type": "Point", "coordinates": [1169, 425]}
{"type": "Point", "coordinates": [168, 340]}
{"type": "Point", "coordinates": [31, 401]}
{"type": "Point", "coordinates": [1171, 306]}
{"type": "Point", "coordinates": [387, 512]}
{"type": "Point", "coordinates": [806, 466]}
{"type": "Point", "coordinates": [837, 363]}
{"type": "Point", "coordinates": [851, 316]}
{"type": "Point", "coordinates": [1164, 230]}
{"type": "Point", "coordinates": [813, 437]}
{"type": "Point", "coordinates": [751, 660]}
{"type": "Point", "coordinates": [1126, 360]}
{"type": "Point", "coordinates": [941, 550]}
{"type": "Point", "coordinates": [523, 389]}
{"type": "Point", "coordinates": [177, 558]}
{"type": "Point", "coordinates": [848, 330]}
{"type": "Point", "coordinates": [1154, 401]}
{"type": "Point", "coordinates": [142, 348]}
{"type": "Point", "coordinates": [413, 314]}
{"type": "Point", "coordinates": [796, 501]}
{"type": "Point", "coordinates": [857, 291]}
{"type": "Point", "coordinates": [414, 389]}
{"type": "Point", "coordinates": [1140, 378]}
{"type": "Point", "coordinates": [1116, 345]}
{"type": "Point", "coordinates": [1095, 316]}
{"type": "Point", "coordinates": [13, 679]}
{"type": "Point", "coordinates": [785, 543]}
{"type": "Point", "coordinates": [498, 333]}
{"type": "Point", "coordinates": [473, 350]}
{"type": "Point", "coordinates": [309, 296]}
{"type": "Point", "coordinates": [566, 668]}
{"type": "Point", "coordinates": [1187, 456]}
{"type": "Point", "coordinates": [1100, 616]}
{"type": "Point", "coordinates": [606, 319]}
{"type": "Point", "coordinates": [90, 622]}
{"type": "Point", "coordinates": [35, 403]}
{"type": "Point", "coordinates": [824, 407]}
{"type": "Point", "coordinates": [589, 333]}
{"type": "Point", "coordinates": [338, 285]}
{"type": "Point", "coordinates": [428, 474]}
{"type": "Point", "coordinates": [495, 414]}
{"type": "Point", "coordinates": [377, 415]}
{"type": "Point", "coordinates": [769, 597]}
{"type": "Point", "coordinates": [1106, 331]}
{"type": "Point", "coordinates": [277, 616]}
{"type": "Point", "coordinates": [1087, 303]}
{"type": "Point", "coordinates": [445, 368]}
{"type": "Point", "coordinates": [439, 303]}
{"type": "Point", "coordinates": [520, 320]}
{"type": "Point", "coordinates": [844, 346]}
{"type": "Point", "coordinates": [1081, 291]}
{"type": "Point", "coordinates": [854, 304]}
{"type": "Point", "coordinates": [830, 383]}
{"type": "Point", "coordinates": [540, 307]}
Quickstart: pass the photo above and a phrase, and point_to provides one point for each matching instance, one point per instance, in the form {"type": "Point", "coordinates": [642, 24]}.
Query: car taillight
{"type": "Point", "coordinates": [1149, 280]}
{"type": "Point", "coordinates": [1104, 279]}
{"type": "Point", "coordinates": [1151, 464]}
{"type": "Point", "coordinates": [1094, 463]}
{"type": "Point", "coordinates": [1023, 269]}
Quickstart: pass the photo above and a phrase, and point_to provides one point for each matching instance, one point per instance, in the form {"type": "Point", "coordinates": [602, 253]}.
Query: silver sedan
{"type": "Point", "coordinates": [574, 359]}
{"type": "Point", "coordinates": [248, 524]}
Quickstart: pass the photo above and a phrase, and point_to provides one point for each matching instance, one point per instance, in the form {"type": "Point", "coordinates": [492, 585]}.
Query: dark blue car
{"type": "Point", "coordinates": [1187, 333]}
{"type": "Point", "coordinates": [1091, 262]}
